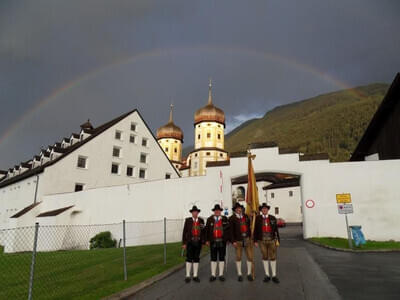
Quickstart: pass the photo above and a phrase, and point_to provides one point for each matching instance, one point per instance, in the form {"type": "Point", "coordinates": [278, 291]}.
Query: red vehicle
{"type": "Point", "coordinates": [281, 222]}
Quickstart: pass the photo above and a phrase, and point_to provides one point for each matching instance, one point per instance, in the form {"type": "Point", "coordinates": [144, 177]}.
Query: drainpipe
{"type": "Point", "coordinates": [36, 188]}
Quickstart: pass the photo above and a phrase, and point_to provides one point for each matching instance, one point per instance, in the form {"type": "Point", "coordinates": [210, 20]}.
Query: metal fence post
{"type": "Point", "coordinates": [165, 241]}
{"type": "Point", "coordinates": [33, 261]}
{"type": "Point", "coordinates": [124, 243]}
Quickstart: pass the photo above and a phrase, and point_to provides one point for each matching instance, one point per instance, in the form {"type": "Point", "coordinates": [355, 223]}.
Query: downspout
{"type": "Point", "coordinates": [36, 188]}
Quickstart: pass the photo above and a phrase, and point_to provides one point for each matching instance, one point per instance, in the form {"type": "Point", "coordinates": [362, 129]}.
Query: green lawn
{"type": "Point", "coordinates": [83, 274]}
{"type": "Point", "coordinates": [343, 243]}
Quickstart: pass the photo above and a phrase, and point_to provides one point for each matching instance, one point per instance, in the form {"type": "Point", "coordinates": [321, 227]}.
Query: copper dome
{"type": "Point", "coordinates": [170, 130]}
{"type": "Point", "coordinates": [209, 112]}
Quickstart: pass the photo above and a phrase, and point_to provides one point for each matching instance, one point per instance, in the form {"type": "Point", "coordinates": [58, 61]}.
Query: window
{"type": "Point", "coordinates": [208, 153]}
{"type": "Point", "coordinates": [195, 155]}
{"type": "Point", "coordinates": [144, 142]}
{"type": "Point", "coordinates": [142, 173]}
{"type": "Point", "coordinates": [198, 136]}
{"type": "Point", "coordinates": [290, 193]}
{"type": "Point", "coordinates": [118, 135]}
{"type": "Point", "coordinates": [175, 150]}
{"type": "Point", "coordinates": [276, 210]}
{"type": "Point", "coordinates": [133, 126]}
{"type": "Point", "coordinates": [195, 165]}
{"type": "Point", "coordinates": [129, 171]}
{"type": "Point", "coordinates": [117, 152]}
{"type": "Point", "coordinates": [208, 124]}
{"type": "Point", "coordinates": [82, 162]}
{"type": "Point", "coordinates": [221, 155]}
{"type": "Point", "coordinates": [208, 135]}
{"type": "Point", "coordinates": [132, 138]}
{"type": "Point", "coordinates": [166, 149]}
{"type": "Point", "coordinates": [176, 142]}
{"type": "Point", "coordinates": [272, 195]}
{"type": "Point", "coordinates": [143, 158]}
{"type": "Point", "coordinates": [115, 168]}
{"type": "Point", "coordinates": [81, 138]}
{"type": "Point", "coordinates": [167, 176]}
{"type": "Point", "coordinates": [78, 187]}
{"type": "Point", "coordinates": [219, 136]}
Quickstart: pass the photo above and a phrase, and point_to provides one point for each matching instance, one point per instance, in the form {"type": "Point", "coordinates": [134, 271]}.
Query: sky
{"type": "Point", "coordinates": [63, 62]}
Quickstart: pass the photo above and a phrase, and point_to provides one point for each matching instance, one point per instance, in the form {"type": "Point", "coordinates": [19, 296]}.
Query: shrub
{"type": "Point", "coordinates": [102, 240]}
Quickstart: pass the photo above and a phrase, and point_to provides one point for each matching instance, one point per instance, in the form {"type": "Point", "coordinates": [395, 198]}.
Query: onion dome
{"type": "Point", "coordinates": [170, 130]}
{"type": "Point", "coordinates": [209, 112]}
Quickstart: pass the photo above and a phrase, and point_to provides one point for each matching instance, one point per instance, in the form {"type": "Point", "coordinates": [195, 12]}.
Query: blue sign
{"type": "Point", "coordinates": [358, 236]}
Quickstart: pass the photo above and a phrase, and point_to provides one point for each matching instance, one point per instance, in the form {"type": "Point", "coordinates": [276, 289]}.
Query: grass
{"type": "Point", "coordinates": [83, 274]}
{"type": "Point", "coordinates": [343, 244]}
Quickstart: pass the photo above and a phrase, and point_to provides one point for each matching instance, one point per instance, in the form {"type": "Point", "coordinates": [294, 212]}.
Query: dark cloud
{"type": "Point", "coordinates": [145, 53]}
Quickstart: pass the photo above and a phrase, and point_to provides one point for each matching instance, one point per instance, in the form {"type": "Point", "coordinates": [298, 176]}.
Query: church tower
{"type": "Point", "coordinates": [209, 124]}
{"type": "Point", "coordinates": [170, 138]}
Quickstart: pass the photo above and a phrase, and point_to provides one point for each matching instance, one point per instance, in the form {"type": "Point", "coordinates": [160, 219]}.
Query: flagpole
{"type": "Point", "coordinates": [253, 213]}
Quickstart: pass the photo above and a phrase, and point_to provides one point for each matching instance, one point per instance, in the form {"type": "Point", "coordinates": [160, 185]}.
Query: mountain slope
{"type": "Point", "coordinates": [331, 123]}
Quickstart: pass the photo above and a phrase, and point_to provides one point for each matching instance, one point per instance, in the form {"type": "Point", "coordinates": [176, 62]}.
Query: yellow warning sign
{"type": "Point", "coordinates": [343, 198]}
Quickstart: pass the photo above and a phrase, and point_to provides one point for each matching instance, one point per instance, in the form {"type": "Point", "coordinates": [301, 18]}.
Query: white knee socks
{"type": "Point", "coordinates": [266, 267]}
{"type": "Point", "coordinates": [213, 268]}
{"type": "Point", "coordinates": [239, 268]}
{"type": "Point", "coordinates": [188, 268]}
{"type": "Point", "coordinates": [195, 269]}
{"type": "Point", "coordinates": [273, 267]}
{"type": "Point", "coordinates": [221, 266]}
{"type": "Point", "coordinates": [248, 267]}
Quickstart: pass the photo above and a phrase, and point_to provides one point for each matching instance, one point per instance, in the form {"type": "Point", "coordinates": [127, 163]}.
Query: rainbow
{"type": "Point", "coordinates": [70, 85]}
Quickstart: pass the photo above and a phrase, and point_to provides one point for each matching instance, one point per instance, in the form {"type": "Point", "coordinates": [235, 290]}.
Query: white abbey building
{"type": "Point", "coordinates": [299, 187]}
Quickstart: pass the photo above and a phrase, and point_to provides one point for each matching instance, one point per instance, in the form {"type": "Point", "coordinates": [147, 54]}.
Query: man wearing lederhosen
{"type": "Point", "coordinates": [192, 239]}
{"type": "Point", "coordinates": [266, 236]}
{"type": "Point", "coordinates": [239, 228]}
{"type": "Point", "coordinates": [216, 236]}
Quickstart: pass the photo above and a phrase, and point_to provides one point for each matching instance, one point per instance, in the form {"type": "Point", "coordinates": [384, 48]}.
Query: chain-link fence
{"type": "Point", "coordinates": [84, 261]}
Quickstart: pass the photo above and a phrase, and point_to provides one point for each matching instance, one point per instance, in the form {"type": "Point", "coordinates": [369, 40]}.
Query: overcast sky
{"type": "Point", "coordinates": [62, 62]}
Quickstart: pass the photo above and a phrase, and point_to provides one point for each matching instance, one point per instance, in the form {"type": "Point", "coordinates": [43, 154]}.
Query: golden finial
{"type": "Point", "coordinates": [209, 91]}
{"type": "Point", "coordinates": [170, 112]}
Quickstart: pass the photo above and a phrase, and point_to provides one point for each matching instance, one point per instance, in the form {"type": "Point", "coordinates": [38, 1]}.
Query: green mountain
{"type": "Point", "coordinates": [332, 123]}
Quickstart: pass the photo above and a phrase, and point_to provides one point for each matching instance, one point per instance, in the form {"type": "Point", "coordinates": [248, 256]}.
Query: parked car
{"type": "Point", "coordinates": [281, 222]}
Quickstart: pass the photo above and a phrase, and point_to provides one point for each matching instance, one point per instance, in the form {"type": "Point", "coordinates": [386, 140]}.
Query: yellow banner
{"type": "Point", "coordinates": [343, 198]}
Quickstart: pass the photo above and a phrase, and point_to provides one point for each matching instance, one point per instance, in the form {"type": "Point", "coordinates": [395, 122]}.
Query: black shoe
{"type": "Point", "coordinates": [249, 278]}
{"type": "Point", "coordinates": [213, 278]}
{"type": "Point", "coordinates": [267, 279]}
{"type": "Point", "coordinates": [275, 279]}
{"type": "Point", "coordinates": [221, 278]}
{"type": "Point", "coordinates": [187, 279]}
{"type": "Point", "coordinates": [240, 278]}
{"type": "Point", "coordinates": [197, 279]}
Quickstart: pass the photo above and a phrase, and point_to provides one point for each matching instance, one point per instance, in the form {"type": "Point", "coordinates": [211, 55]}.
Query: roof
{"type": "Point", "coordinates": [25, 210]}
{"type": "Point", "coordinates": [52, 213]}
{"type": "Point", "coordinates": [315, 156]}
{"type": "Point", "coordinates": [218, 163]}
{"type": "Point", "coordinates": [284, 184]}
{"type": "Point", "coordinates": [97, 131]}
{"type": "Point", "coordinates": [386, 108]}
{"type": "Point", "coordinates": [266, 176]}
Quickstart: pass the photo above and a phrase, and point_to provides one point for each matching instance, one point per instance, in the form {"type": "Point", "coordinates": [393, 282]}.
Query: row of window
{"type": "Point", "coordinates": [208, 124]}
{"type": "Point", "coordinates": [117, 152]}
{"type": "Point", "coordinates": [116, 169]}
{"type": "Point", "coordinates": [209, 136]}
{"type": "Point", "coordinates": [290, 194]}
{"type": "Point", "coordinates": [82, 160]}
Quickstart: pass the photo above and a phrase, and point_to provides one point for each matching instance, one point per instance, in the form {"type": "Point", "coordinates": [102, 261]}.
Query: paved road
{"type": "Point", "coordinates": [306, 272]}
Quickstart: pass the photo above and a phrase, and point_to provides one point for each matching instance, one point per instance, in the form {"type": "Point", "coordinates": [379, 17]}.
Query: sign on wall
{"type": "Point", "coordinates": [345, 208]}
{"type": "Point", "coordinates": [343, 198]}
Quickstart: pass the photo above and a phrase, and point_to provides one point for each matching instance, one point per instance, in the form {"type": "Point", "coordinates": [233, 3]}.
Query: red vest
{"type": "Point", "coordinates": [196, 228]}
{"type": "Point", "coordinates": [217, 231]}
{"type": "Point", "coordinates": [266, 225]}
{"type": "Point", "coordinates": [243, 225]}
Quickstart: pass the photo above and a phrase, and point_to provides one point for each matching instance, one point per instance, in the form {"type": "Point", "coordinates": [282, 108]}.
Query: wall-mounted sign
{"type": "Point", "coordinates": [345, 208]}
{"type": "Point", "coordinates": [310, 203]}
{"type": "Point", "coordinates": [343, 198]}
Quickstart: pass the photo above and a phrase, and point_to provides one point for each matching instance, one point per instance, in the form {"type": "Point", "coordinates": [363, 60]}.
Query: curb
{"type": "Point", "coordinates": [351, 250]}
{"type": "Point", "coordinates": [129, 292]}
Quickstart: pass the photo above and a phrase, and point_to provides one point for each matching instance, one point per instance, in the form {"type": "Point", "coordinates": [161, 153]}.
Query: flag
{"type": "Point", "coordinates": [252, 202]}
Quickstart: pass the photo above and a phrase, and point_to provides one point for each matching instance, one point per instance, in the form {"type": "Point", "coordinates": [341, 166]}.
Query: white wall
{"type": "Point", "coordinates": [289, 206]}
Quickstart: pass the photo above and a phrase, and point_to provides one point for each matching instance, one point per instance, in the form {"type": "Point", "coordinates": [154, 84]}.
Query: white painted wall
{"type": "Point", "coordinates": [289, 206]}
{"type": "Point", "coordinates": [373, 186]}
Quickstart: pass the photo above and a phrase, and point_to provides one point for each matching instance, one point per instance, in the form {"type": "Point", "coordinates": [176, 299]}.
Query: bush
{"type": "Point", "coordinates": [102, 240]}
